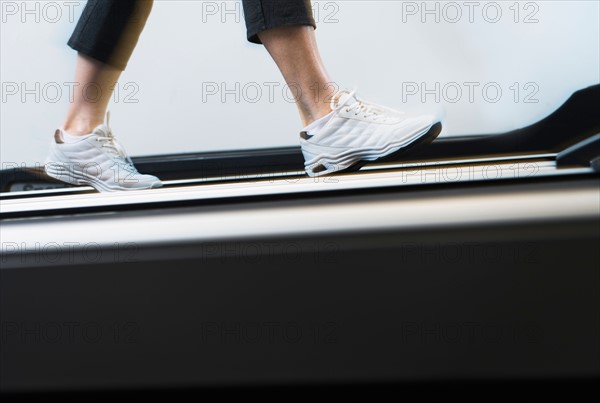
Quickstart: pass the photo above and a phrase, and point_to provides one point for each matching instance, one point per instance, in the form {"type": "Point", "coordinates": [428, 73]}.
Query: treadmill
{"type": "Point", "coordinates": [472, 259]}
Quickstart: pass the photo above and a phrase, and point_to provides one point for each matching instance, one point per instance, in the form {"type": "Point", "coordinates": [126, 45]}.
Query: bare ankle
{"type": "Point", "coordinates": [80, 128]}
{"type": "Point", "coordinates": [72, 130]}
{"type": "Point", "coordinates": [314, 115]}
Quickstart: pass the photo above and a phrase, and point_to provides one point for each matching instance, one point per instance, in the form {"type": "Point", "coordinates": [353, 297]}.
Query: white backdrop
{"type": "Point", "coordinates": [195, 84]}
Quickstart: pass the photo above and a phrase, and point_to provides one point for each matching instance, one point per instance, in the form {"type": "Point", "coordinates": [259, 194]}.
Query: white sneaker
{"type": "Point", "coordinates": [359, 132]}
{"type": "Point", "coordinates": [96, 159]}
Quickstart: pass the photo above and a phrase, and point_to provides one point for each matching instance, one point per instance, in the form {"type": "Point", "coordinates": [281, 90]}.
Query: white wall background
{"type": "Point", "coordinates": [388, 49]}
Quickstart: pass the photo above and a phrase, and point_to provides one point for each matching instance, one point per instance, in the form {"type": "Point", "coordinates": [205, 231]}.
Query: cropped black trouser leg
{"type": "Point", "coordinates": [108, 30]}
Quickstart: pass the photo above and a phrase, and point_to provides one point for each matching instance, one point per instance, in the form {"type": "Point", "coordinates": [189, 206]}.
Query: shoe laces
{"type": "Point", "coordinates": [110, 143]}
{"type": "Point", "coordinates": [359, 107]}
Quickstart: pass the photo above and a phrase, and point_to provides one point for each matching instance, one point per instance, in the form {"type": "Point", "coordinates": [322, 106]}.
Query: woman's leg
{"type": "Point", "coordinates": [286, 28]}
{"type": "Point", "coordinates": [105, 38]}
{"type": "Point", "coordinates": [89, 107]}
{"type": "Point", "coordinates": [295, 51]}
{"type": "Point", "coordinates": [85, 152]}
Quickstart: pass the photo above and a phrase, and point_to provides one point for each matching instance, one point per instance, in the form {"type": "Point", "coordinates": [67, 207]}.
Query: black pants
{"type": "Point", "coordinates": [108, 30]}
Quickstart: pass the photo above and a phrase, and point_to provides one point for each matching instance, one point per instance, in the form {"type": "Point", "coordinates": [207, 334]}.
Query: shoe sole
{"type": "Point", "coordinates": [392, 150]}
{"type": "Point", "coordinates": [73, 178]}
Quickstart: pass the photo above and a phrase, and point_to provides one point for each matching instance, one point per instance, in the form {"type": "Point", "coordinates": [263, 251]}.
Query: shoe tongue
{"type": "Point", "coordinates": [102, 130]}
{"type": "Point", "coordinates": [341, 97]}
